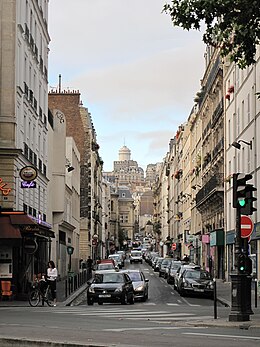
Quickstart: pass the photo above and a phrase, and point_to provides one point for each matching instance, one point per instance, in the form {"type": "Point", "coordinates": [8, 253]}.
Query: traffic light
{"type": "Point", "coordinates": [244, 264]}
{"type": "Point", "coordinates": [243, 193]}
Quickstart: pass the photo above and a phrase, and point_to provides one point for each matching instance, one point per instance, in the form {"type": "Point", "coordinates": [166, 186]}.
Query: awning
{"type": "Point", "coordinates": [21, 219]}
{"type": "Point", "coordinates": [7, 230]}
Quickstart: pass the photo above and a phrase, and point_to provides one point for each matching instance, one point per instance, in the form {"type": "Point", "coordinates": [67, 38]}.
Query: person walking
{"type": "Point", "coordinates": [89, 266]}
{"type": "Point", "coordinates": [52, 274]}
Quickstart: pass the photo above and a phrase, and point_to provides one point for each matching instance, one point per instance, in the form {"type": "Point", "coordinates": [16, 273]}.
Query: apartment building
{"type": "Point", "coordinates": [23, 139]}
{"type": "Point", "coordinates": [242, 116]}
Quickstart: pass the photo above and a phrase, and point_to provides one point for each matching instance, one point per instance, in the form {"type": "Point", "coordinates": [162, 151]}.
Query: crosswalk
{"type": "Point", "coordinates": [138, 314]}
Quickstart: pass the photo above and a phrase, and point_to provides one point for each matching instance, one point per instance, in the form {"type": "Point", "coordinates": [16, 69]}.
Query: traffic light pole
{"type": "Point", "coordinates": [240, 282]}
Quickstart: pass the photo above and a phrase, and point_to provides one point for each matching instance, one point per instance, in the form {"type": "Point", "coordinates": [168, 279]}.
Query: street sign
{"type": "Point", "coordinates": [247, 226]}
{"type": "Point", "coordinates": [174, 246]}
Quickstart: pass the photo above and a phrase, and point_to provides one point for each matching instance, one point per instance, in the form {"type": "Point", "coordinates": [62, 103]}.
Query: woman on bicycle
{"type": "Point", "coordinates": [52, 274]}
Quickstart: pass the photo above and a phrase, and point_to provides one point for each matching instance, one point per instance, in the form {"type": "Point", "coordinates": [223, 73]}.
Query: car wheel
{"type": "Point", "coordinates": [168, 280]}
{"type": "Point", "coordinates": [132, 300]}
{"type": "Point", "coordinates": [90, 302]}
{"type": "Point", "coordinates": [182, 292]}
{"type": "Point", "coordinates": [100, 303]}
{"type": "Point", "coordinates": [124, 299]}
{"type": "Point", "coordinates": [160, 274]}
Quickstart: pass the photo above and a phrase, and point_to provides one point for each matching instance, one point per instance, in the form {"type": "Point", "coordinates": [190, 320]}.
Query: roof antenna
{"type": "Point", "coordinates": [59, 83]}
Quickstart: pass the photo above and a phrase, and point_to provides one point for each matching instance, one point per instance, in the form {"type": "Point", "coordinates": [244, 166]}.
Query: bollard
{"type": "Point", "coordinates": [215, 298]}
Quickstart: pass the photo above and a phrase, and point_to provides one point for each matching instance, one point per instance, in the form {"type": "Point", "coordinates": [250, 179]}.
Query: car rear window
{"type": "Point", "coordinates": [136, 254]}
{"type": "Point", "coordinates": [109, 278]}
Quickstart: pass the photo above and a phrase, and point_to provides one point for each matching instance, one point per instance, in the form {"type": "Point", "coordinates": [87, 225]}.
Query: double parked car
{"type": "Point", "coordinates": [110, 286]}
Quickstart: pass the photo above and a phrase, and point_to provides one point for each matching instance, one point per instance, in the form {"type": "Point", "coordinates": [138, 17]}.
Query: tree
{"type": "Point", "coordinates": [231, 25]}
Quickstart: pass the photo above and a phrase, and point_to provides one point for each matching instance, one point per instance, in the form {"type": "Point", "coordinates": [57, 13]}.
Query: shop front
{"type": "Point", "coordinates": [24, 250]}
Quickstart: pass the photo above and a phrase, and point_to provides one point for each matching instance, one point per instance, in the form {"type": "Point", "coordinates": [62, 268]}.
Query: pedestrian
{"type": "Point", "coordinates": [52, 274]}
{"type": "Point", "coordinates": [186, 259]}
{"type": "Point", "coordinates": [89, 266]}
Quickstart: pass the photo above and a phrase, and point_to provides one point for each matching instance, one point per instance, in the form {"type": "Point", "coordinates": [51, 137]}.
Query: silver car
{"type": "Point", "coordinates": [140, 284]}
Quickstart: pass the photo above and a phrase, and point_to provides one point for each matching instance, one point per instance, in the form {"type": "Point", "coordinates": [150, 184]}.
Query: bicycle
{"type": "Point", "coordinates": [41, 291]}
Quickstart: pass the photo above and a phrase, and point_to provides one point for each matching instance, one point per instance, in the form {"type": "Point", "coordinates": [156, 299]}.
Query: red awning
{"type": "Point", "coordinates": [21, 219]}
{"type": "Point", "coordinates": [7, 230]}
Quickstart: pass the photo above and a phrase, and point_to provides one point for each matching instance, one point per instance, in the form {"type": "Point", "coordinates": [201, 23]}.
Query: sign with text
{"type": "Point", "coordinates": [25, 184]}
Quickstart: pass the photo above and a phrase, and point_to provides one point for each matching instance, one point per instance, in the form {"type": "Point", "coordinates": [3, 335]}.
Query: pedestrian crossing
{"type": "Point", "coordinates": [137, 314]}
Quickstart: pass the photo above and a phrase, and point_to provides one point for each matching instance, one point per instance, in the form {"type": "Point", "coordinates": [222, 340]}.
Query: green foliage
{"type": "Point", "coordinates": [231, 25]}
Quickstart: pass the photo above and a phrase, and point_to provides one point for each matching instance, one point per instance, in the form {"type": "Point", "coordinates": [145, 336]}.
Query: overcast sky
{"type": "Point", "coordinates": [136, 73]}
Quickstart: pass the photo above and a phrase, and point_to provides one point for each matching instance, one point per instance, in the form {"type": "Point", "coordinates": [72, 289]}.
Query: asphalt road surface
{"type": "Point", "coordinates": [166, 319]}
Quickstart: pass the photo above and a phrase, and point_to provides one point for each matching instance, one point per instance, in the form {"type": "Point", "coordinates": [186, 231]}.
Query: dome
{"type": "Point", "coordinates": [124, 154]}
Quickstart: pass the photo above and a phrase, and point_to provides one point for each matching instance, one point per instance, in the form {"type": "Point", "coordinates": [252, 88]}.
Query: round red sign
{"type": "Point", "coordinates": [174, 246]}
{"type": "Point", "coordinates": [247, 226]}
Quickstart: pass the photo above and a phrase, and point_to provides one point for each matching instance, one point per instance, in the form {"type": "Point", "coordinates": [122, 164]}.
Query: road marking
{"type": "Point", "coordinates": [147, 328]}
{"type": "Point", "coordinates": [158, 318]}
{"type": "Point", "coordinates": [193, 305]}
{"type": "Point", "coordinates": [149, 303]}
{"type": "Point", "coordinates": [172, 293]}
{"type": "Point", "coordinates": [229, 336]}
{"type": "Point", "coordinates": [172, 304]}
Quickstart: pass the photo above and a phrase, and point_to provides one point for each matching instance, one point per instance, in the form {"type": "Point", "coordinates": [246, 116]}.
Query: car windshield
{"type": "Point", "coordinates": [108, 278]}
{"type": "Point", "coordinates": [175, 266]}
{"type": "Point", "coordinates": [136, 254]}
{"type": "Point", "coordinates": [135, 276]}
{"type": "Point", "coordinates": [197, 274]}
{"type": "Point", "coordinates": [166, 261]}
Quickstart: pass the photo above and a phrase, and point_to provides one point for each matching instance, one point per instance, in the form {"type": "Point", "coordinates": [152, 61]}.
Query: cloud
{"type": "Point", "coordinates": [136, 73]}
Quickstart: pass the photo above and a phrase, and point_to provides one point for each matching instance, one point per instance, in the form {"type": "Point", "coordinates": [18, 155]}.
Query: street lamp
{"type": "Point", "coordinates": [238, 146]}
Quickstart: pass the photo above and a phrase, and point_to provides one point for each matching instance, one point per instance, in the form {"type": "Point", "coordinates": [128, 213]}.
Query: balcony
{"type": "Point", "coordinates": [210, 190]}
{"type": "Point", "coordinates": [217, 113]}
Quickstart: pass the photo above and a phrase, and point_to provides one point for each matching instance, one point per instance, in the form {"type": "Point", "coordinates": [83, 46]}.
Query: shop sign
{"type": "Point", "coordinates": [3, 187]}
{"type": "Point", "coordinates": [28, 173]}
{"type": "Point", "coordinates": [25, 184]}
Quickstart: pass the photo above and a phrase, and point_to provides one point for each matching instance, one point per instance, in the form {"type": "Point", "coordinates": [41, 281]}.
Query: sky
{"type": "Point", "coordinates": [137, 74]}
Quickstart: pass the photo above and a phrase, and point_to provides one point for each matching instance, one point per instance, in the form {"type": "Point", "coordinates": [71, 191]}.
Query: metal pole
{"type": "Point", "coordinates": [215, 299]}
{"type": "Point", "coordinates": [255, 292]}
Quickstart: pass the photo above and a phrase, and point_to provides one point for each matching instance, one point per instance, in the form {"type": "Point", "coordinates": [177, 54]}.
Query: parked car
{"type": "Point", "coordinates": [196, 282]}
{"type": "Point", "coordinates": [171, 270]}
{"type": "Point", "coordinates": [140, 284]}
{"type": "Point", "coordinates": [157, 264]}
{"type": "Point", "coordinates": [162, 266]}
{"type": "Point", "coordinates": [136, 257]}
{"type": "Point", "coordinates": [110, 286]}
{"type": "Point", "coordinates": [182, 268]}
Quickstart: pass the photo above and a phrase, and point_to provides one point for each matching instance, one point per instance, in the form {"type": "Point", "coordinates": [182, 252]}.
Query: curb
{"type": "Point", "coordinates": [24, 342]}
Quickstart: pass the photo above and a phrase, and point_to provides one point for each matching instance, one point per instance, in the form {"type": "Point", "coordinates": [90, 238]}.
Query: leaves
{"type": "Point", "coordinates": [231, 25]}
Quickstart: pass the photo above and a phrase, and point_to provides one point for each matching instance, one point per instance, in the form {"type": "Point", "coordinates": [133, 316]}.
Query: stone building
{"type": "Point", "coordinates": [23, 140]}
{"type": "Point", "coordinates": [81, 128]}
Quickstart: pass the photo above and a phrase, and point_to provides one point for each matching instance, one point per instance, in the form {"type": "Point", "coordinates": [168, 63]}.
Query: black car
{"type": "Point", "coordinates": [140, 284]}
{"type": "Point", "coordinates": [196, 282]}
{"type": "Point", "coordinates": [110, 286]}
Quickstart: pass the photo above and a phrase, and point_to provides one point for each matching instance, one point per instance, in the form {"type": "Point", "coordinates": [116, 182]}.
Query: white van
{"type": "Point", "coordinates": [136, 257]}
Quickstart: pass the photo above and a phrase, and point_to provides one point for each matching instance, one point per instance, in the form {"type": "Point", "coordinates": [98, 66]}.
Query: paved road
{"type": "Point", "coordinates": [166, 319]}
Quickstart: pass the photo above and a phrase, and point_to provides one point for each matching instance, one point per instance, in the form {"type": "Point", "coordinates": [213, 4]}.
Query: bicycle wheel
{"type": "Point", "coordinates": [34, 298]}
{"type": "Point", "coordinates": [48, 297]}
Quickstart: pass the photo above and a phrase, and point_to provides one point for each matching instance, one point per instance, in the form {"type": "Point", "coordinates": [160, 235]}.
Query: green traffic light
{"type": "Point", "coordinates": [242, 202]}
{"type": "Point", "coordinates": [242, 268]}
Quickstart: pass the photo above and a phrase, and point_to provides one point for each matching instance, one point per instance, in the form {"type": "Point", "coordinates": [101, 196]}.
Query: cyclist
{"type": "Point", "coordinates": [52, 274]}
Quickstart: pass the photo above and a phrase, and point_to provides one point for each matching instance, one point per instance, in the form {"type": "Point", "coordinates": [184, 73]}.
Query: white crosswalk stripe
{"type": "Point", "coordinates": [123, 313]}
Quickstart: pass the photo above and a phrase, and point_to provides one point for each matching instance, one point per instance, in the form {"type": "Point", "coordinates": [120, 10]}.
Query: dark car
{"type": "Point", "coordinates": [163, 265]}
{"type": "Point", "coordinates": [157, 264]}
{"type": "Point", "coordinates": [196, 282]}
{"type": "Point", "coordinates": [110, 286]}
{"type": "Point", "coordinates": [178, 275]}
{"type": "Point", "coordinates": [140, 284]}
{"type": "Point", "coordinates": [171, 270]}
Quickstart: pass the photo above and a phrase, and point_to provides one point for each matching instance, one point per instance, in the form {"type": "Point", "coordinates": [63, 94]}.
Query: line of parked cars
{"type": "Point", "coordinates": [186, 278]}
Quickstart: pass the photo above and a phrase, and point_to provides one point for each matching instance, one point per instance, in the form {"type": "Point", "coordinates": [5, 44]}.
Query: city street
{"type": "Point", "coordinates": [165, 319]}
